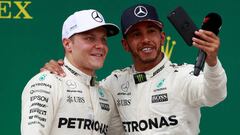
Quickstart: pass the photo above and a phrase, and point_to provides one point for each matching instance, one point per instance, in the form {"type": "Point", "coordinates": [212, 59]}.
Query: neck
{"type": "Point", "coordinates": [87, 71]}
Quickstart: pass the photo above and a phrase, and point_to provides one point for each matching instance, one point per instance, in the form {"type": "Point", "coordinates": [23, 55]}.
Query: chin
{"type": "Point", "coordinates": [97, 66]}
{"type": "Point", "coordinates": [149, 59]}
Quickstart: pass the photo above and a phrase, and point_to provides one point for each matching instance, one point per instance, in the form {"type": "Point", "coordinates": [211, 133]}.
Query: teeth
{"type": "Point", "coordinates": [146, 49]}
{"type": "Point", "coordinates": [98, 55]}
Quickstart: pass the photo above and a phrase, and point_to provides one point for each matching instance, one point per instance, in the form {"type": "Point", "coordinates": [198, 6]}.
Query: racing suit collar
{"type": "Point", "coordinates": [144, 76]}
{"type": "Point", "coordinates": [89, 80]}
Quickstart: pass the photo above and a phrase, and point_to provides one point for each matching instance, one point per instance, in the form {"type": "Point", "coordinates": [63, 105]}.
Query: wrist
{"type": "Point", "coordinates": [212, 63]}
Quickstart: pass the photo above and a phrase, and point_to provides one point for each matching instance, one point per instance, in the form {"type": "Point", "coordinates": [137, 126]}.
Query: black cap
{"type": "Point", "coordinates": [139, 13]}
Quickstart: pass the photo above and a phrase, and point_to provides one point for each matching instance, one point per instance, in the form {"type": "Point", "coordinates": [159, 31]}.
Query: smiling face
{"type": "Point", "coordinates": [144, 41]}
{"type": "Point", "coordinates": [87, 50]}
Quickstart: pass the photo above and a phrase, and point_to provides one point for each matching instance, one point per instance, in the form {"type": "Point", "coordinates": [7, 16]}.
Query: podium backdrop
{"type": "Point", "coordinates": [30, 35]}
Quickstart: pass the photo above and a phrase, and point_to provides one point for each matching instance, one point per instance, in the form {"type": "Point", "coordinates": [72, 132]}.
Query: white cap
{"type": "Point", "coordinates": [85, 20]}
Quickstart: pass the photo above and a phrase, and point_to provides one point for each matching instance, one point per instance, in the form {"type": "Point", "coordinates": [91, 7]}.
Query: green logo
{"type": "Point", "coordinates": [140, 77]}
{"type": "Point", "coordinates": [160, 83]}
{"type": "Point", "coordinates": [42, 77]}
{"type": "Point", "coordinates": [100, 91]}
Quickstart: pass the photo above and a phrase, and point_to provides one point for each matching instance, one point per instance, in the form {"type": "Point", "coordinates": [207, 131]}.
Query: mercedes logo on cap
{"type": "Point", "coordinates": [97, 16]}
{"type": "Point", "coordinates": [140, 11]}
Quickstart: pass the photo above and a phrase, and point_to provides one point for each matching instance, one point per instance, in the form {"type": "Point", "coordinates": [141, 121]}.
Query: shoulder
{"type": "Point", "coordinates": [112, 81]}
{"type": "Point", "coordinates": [44, 80]}
{"type": "Point", "coordinates": [42, 87]}
{"type": "Point", "coordinates": [104, 92]}
{"type": "Point", "coordinates": [181, 72]}
{"type": "Point", "coordinates": [120, 73]}
{"type": "Point", "coordinates": [45, 76]}
{"type": "Point", "coordinates": [182, 68]}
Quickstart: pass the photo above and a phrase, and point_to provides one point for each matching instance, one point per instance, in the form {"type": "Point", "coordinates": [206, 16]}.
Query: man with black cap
{"type": "Point", "coordinates": [75, 104]}
{"type": "Point", "coordinates": [154, 96]}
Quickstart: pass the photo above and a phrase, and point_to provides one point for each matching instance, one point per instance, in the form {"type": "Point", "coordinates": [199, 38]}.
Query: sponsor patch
{"type": "Point", "coordinates": [71, 84]}
{"type": "Point", "coordinates": [41, 84]}
{"type": "Point", "coordinates": [37, 117]}
{"type": "Point", "coordinates": [39, 98]}
{"type": "Point", "coordinates": [42, 77]}
{"type": "Point", "coordinates": [123, 102]}
{"type": "Point", "coordinates": [75, 99]}
{"type": "Point", "coordinates": [39, 105]}
{"type": "Point", "coordinates": [159, 98]}
{"type": "Point", "coordinates": [39, 91]}
{"type": "Point", "coordinates": [81, 123]}
{"type": "Point", "coordinates": [151, 123]}
{"type": "Point", "coordinates": [101, 92]}
{"type": "Point", "coordinates": [104, 106]}
{"type": "Point", "coordinates": [37, 110]}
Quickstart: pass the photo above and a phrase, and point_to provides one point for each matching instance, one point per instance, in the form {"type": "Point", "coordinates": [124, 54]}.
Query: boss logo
{"type": "Point", "coordinates": [159, 98]}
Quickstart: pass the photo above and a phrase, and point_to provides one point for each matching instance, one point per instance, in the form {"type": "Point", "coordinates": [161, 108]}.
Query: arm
{"type": "Point", "coordinates": [210, 87]}
{"type": "Point", "coordinates": [115, 126]}
{"type": "Point", "coordinates": [215, 84]}
{"type": "Point", "coordinates": [38, 105]}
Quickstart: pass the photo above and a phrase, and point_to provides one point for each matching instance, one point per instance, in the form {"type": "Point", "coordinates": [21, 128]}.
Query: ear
{"type": "Point", "coordinates": [125, 44]}
{"type": "Point", "coordinates": [67, 44]}
{"type": "Point", "coordinates": [162, 37]}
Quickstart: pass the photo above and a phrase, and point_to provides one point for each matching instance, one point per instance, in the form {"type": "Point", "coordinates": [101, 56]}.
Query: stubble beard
{"type": "Point", "coordinates": [146, 60]}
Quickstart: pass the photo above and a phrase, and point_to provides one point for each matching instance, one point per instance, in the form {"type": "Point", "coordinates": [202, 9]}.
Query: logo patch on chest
{"type": "Point", "coordinates": [104, 106]}
{"type": "Point", "coordinates": [160, 98]}
{"type": "Point", "coordinates": [160, 86]}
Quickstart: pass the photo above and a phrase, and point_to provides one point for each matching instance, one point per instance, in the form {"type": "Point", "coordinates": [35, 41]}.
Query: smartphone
{"type": "Point", "coordinates": [183, 24]}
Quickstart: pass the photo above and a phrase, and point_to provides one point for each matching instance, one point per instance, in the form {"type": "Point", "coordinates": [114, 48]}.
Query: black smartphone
{"type": "Point", "coordinates": [183, 24]}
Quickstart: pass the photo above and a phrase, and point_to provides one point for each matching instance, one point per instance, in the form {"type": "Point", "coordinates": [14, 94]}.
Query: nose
{"type": "Point", "coordinates": [145, 38]}
{"type": "Point", "coordinates": [100, 44]}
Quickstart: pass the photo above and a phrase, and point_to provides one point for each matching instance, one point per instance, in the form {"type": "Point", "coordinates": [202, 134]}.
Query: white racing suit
{"type": "Point", "coordinates": [52, 105]}
{"type": "Point", "coordinates": [165, 100]}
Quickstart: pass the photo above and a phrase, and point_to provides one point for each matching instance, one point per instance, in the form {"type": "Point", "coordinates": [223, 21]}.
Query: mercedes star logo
{"type": "Point", "coordinates": [71, 84]}
{"type": "Point", "coordinates": [140, 11]}
{"type": "Point", "coordinates": [125, 86]}
{"type": "Point", "coordinates": [97, 16]}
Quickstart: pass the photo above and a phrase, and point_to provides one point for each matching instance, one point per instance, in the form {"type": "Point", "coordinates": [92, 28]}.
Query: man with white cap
{"type": "Point", "coordinates": [155, 96]}
{"type": "Point", "coordinates": [75, 104]}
